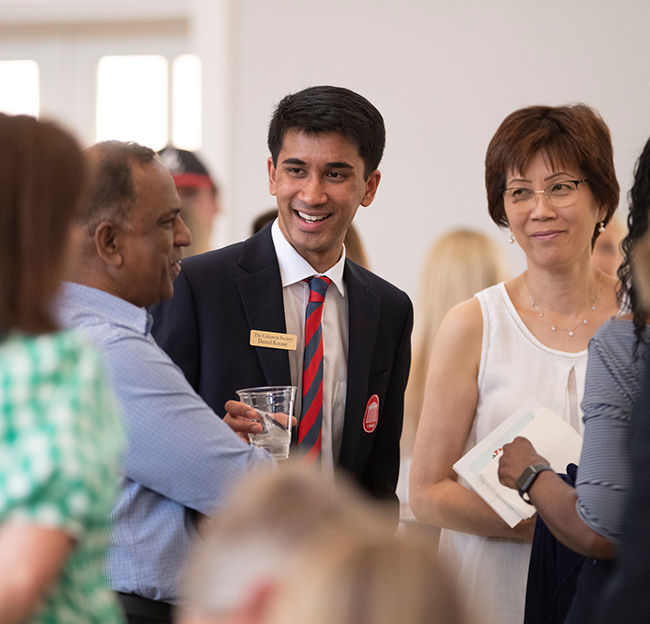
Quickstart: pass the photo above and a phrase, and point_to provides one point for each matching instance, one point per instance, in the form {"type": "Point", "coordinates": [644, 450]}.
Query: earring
{"type": "Point", "coordinates": [601, 227]}
{"type": "Point", "coordinates": [511, 240]}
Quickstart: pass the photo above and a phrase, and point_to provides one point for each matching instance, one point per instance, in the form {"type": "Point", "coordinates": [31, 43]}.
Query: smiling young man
{"type": "Point", "coordinates": [326, 144]}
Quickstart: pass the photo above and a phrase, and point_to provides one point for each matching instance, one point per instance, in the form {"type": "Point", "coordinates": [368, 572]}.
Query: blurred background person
{"type": "Point", "coordinates": [352, 577]}
{"type": "Point", "coordinates": [354, 248]}
{"type": "Point", "coordinates": [550, 179]}
{"type": "Point", "coordinates": [199, 196]}
{"type": "Point", "coordinates": [459, 264]}
{"type": "Point", "coordinates": [245, 551]}
{"type": "Point", "coordinates": [59, 435]}
{"type": "Point", "coordinates": [607, 254]}
{"type": "Point", "coordinates": [263, 220]}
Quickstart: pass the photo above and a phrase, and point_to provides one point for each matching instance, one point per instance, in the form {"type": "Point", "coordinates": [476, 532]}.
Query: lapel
{"type": "Point", "coordinates": [261, 295]}
{"type": "Point", "coordinates": [363, 322]}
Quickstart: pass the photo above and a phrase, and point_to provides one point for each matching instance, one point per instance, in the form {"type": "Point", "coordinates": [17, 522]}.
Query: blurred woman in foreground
{"type": "Point", "coordinates": [550, 178]}
{"type": "Point", "coordinates": [59, 438]}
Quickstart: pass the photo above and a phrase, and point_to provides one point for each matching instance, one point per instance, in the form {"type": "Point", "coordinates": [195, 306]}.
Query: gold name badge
{"type": "Point", "coordinates": [260, 338]}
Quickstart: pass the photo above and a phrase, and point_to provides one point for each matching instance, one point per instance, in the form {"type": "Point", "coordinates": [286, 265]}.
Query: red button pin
{"type": "Point", "coordinates": [371, 416]}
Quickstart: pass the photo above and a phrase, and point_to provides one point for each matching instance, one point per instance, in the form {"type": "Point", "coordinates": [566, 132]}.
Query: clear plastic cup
{"type": "Point", "coordinates": [274, 406]}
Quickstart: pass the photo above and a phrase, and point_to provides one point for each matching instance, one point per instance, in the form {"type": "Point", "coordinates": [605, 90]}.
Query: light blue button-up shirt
{"type": "Point", "coordinates": [181, 457]}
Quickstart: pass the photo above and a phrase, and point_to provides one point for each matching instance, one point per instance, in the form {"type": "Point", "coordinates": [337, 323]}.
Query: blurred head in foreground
{"type": "Point", "coordinates": [347, 577]}
{"type": "Point", "coordinates": [263, 550]}
{"type": "Point", "coordinates": [199, 196]}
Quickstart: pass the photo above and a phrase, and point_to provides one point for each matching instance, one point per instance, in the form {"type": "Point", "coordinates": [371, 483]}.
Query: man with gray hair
{"type": "Point", "coordinates": [182, 461]}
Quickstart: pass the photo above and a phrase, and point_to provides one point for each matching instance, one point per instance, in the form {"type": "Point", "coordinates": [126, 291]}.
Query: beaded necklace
{"type": "Point", "coordinates": [571, 331]}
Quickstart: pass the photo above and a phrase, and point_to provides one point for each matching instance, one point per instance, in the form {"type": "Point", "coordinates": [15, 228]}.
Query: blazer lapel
{"type": "Point", "coordinates": [363, 313]}
{"type": "Point", "coordinates": [261, 295]}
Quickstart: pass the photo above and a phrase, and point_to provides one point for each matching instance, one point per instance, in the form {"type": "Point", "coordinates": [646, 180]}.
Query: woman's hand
{"type": "Point", "coordinates": [526, 529]}
{"type": "Point", "coordinates": [517, 456]}
{"type": "Point", "coordinates": [554, 500]}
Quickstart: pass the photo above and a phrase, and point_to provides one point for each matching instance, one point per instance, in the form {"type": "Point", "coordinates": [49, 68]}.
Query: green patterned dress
{"type": "Point", "coordinates": [59, 444]}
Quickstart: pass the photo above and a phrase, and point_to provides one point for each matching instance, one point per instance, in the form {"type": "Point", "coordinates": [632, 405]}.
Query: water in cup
{"type": "Point", "coordinates": [275, 437]}
{"type": "Point", "coordinates": [274, 406]}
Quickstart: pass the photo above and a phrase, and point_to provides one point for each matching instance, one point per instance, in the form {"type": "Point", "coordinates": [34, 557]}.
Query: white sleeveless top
{"type": "Point", "coordinates": [515, 366]}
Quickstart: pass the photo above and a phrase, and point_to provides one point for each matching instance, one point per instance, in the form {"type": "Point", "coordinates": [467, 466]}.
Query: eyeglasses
{"type": "Point", "coordinates": [559, 194]}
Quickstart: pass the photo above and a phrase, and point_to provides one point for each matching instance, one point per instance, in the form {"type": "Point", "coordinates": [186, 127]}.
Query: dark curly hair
{"type": "Point", "coordinates": [637, 223]}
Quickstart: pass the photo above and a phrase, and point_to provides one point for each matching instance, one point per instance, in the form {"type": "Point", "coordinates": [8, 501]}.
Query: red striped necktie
{"type": "Point", "coordinates": [311, 419]}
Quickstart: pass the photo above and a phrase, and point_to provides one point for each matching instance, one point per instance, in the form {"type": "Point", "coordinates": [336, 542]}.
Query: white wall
{"type": "Point", "coordinates": [443, 73]}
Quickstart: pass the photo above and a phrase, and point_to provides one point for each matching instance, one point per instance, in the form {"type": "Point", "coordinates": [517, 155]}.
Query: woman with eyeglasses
{"type": "Point", "coordinates": [550, 179]}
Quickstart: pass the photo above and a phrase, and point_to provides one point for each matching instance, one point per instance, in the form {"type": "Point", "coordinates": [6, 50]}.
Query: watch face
{"type": "Point", "coordinates": [523, 480]}
{"type": "Point", "coordinates": [527, 478]}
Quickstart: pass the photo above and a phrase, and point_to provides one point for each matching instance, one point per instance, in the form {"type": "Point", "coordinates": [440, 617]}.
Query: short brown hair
{"type": "Point", "coordinates": [112, 192]}
{"type": "Point", "coordinates": [42, 175]}
{"type": "Point", "coordinates": [573, 135]}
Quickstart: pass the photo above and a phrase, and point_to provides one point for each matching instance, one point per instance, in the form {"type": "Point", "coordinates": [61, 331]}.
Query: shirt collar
{"type": "Point", "coordinates": [294, 268]}
{"type": "Point", "coordinates": [73, 297]}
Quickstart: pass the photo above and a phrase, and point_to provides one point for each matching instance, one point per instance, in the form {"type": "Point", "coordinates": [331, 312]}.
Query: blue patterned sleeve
{"type": "Point", "coordinates": [177, 446]}
{"type": "Point", "coordinates": [612, 385]}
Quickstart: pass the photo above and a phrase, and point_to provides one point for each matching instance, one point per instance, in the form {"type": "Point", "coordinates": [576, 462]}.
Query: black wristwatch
{"type": "Point", "coordinates": [527, 478]}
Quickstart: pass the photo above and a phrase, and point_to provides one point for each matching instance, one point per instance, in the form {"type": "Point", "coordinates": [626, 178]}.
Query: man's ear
{"type": "Point", "coordinates": [270, 168]}
{"type": "Point", "coordinates": [371, 187]}
{"type": "Point", "coordinates": [108, 243]}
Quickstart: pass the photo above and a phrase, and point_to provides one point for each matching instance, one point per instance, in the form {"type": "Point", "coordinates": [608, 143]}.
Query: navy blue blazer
{"type": "Point", "coordinates": [220, 296]}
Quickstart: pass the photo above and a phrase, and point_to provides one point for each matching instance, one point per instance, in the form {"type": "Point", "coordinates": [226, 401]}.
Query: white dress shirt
{"type": "Point", "coordinates": [294, 269]}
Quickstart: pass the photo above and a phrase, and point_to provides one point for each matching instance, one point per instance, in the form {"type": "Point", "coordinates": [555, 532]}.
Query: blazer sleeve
{"type": "Point", "coordinates": [176, 329]}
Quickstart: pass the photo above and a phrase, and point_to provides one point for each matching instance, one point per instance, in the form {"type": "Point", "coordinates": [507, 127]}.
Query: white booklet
{"type": "Point", "coordinates": [552, 437]}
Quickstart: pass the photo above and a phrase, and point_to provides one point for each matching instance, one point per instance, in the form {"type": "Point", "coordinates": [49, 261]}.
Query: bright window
{"type": "Point", "coordinates": [132, 99]}
{"type": "Point", "coordinates": [186, 102]}
{"type": "Point", "coordinates": [19, 93]}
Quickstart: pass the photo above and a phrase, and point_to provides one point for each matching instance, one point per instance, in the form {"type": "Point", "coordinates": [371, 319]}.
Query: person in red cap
{"type": "Point", "coordinates": [199, 196]}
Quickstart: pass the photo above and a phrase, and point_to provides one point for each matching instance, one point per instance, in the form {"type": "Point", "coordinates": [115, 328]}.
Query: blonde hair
{"type": "Point", "coordinates": [354, 248]}
{"type": "Point", "coordinates": [459, 265]}
{"type": "Point", "coordinates": [373, 577]}
{"type": "Point", "coordinates": [274, 513]}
